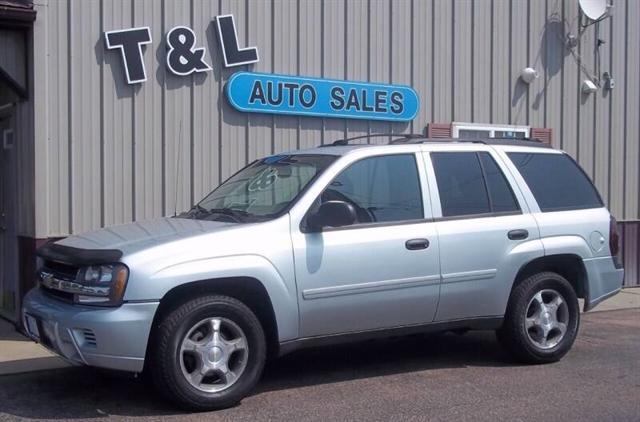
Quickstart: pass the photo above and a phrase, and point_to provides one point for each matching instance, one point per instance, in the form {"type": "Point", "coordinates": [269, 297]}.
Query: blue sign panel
{"type": "Point", "coordinates": [281, 94]}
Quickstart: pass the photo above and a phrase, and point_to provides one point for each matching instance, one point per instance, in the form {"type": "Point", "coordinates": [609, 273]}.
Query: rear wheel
{"type": "Point", "coordinates": [208, 353]}
{"type": "Point", "coordinates": [542, 319]}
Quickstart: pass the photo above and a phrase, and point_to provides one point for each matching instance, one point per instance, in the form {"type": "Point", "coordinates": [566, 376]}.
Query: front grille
{"type": "Point", "coordinates": [60, 271]}
{"type": "Point", "coordinates": [65, 271]}
{"type": "Point", "coordinates": [57, 294]}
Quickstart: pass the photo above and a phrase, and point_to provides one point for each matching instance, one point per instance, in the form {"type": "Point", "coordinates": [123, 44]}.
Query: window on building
{"type": "Point", "coordinates": [473, 134]}
{"type": "Point", "coordinates": [382, 189]}
{"type": "Point", "coordinates": [479, 130]}
{"type": "Point", "coordinates": [471, 183]}
{"type": "Point", "coordinates": [556, 181]}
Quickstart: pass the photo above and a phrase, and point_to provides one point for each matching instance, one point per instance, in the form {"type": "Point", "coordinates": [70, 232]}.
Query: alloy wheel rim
{"type": "Point", "coordinates": [547, 319]}
{"type": "Point", "coordinates": [214, 354]}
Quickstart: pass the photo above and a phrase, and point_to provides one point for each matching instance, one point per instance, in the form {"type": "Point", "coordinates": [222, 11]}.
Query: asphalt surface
{"type": "Point", "coordinates": [444, 377]}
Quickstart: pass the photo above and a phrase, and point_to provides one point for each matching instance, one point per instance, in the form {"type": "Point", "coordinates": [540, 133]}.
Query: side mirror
{"type": "Point", "coordinates": [332, 214]}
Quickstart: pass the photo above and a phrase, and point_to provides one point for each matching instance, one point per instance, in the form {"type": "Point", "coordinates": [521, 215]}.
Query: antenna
{"type": "Point", "coordinates": [178, 162]}
{"type": "Point", "coordinates": [595, 10]}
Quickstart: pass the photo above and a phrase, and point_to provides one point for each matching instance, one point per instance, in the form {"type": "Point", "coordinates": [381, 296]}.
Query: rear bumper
{"type": "Point", "coordinates": [605, 280]}
{"type": "Point", "coordinates": [113, 338]}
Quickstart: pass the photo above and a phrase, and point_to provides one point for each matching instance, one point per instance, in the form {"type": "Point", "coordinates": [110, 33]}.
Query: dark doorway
{"type": "Point", "coordinates": [9, 280]}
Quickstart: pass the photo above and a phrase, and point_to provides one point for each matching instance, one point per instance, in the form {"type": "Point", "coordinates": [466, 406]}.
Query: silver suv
{"type": "Point", "coordinates": [332, 244]}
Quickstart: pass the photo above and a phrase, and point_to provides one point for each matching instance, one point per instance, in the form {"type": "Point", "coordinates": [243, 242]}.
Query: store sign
{"type": "Point", "coordinates": [265, 93]}
{"type": "Point", "coordinates": [281, 94]}
{"type": "Point", "coordinates": [130, 42]}
{"type": "Point", "coordinates": [184, 57]}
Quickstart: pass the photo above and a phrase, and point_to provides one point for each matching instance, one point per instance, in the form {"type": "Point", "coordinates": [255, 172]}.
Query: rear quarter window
{"type": "Point", "coordinates": [556, 181]}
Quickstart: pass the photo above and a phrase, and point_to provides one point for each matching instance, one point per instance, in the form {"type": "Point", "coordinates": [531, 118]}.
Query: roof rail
{"type": "Point", "coordinates": [533, 142]}
{"type": "Point", "coordinates": [401, 136]}
{"type": "Point", "coordinates": [417, 138]}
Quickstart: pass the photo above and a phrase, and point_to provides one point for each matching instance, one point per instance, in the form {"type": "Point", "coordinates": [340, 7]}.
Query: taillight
{"type": "Point", "coordinates": [614, 240]}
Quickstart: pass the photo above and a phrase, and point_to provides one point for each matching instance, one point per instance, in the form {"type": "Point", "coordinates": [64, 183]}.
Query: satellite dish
{"type": "Point", "coordinates": [593, 9]}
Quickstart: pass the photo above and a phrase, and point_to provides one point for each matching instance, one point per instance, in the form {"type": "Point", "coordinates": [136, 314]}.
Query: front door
{"type": "Point", "coordinates": [381, 272]}
{"type": "Point", "coordinates": [8, 229]}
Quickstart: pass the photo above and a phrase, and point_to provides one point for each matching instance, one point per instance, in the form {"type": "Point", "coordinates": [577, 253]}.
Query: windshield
{"type": "Point", "coordinates": [262, 190]}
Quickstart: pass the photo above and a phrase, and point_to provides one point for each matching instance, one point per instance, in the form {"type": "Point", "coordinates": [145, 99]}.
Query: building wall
{"type": "Point", "coordinates": [12, 55]}
{"type": "Point", "coordinates": [107, 152]}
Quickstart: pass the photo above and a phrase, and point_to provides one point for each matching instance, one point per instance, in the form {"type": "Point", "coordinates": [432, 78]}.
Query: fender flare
{"type": "Point", "coordinates": [283, 295]}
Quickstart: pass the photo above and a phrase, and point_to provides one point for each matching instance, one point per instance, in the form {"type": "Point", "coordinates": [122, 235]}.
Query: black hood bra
{"type": "Point", "coordinates": [76, 256]}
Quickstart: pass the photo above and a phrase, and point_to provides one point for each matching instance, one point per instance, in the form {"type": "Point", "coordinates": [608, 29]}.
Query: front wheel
{"type": "Point", "coordinates": [208, 353]}
{"type": "Point", "coordinates": [542, 319]}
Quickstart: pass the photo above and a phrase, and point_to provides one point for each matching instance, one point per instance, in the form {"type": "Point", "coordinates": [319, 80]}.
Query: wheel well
{"type": "Point", "coordinates": [247, 290]}
{"type": "Point", "coordinates": [569, 266]}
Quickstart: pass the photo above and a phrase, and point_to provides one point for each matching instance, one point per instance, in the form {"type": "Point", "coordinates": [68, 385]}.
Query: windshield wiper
{"type": "Point", "coordinates": [237, 215]}
{"type": "Point", "coordinates": [195, 211]}
{"type": "Point", "coordinates": [200, 212]}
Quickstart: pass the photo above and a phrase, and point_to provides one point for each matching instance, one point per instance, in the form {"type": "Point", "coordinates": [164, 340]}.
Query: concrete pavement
{"type": "Point", "coordinates": [627, 298]}
{"type": "Point", "coordinates": [19, 354]}
{"type": "Point", "coordinates": [444, 377]}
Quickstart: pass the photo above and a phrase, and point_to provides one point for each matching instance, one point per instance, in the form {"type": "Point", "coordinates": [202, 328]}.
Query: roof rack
{"type": "Point", "coordinates": [418, 138]}
{"type": "Point", "coordinates": [401, 136]}
{"type": "Point", "coordinates": [527, 142]}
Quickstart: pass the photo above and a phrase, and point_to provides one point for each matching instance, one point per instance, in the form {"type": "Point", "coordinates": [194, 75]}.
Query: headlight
{"type": "Point", "coordinates": [102, 285]}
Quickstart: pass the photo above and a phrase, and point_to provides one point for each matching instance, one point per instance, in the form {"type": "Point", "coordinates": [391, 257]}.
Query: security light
{"type": "Point", "coordinates": [588, 87]}
{"type": "Point", "coordinates": [528, 74]}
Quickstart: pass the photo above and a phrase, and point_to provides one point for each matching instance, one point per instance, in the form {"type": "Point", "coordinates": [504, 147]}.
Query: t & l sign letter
{"type": "Point", "coordinates": [183, 56]}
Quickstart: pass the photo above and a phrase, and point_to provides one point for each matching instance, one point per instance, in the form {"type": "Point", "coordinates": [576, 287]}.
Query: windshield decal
{"type": "Point", "coordinates": [263, 180]}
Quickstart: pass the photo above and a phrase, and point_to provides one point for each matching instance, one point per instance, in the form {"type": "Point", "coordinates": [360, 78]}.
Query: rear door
{"type": "Point", "coordinates": [570, 213]}
{"type": "Point", "coordinates": [484, 228]}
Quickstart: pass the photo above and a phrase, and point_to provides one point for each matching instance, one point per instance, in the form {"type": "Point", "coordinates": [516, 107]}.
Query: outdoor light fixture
{"type": "Point", "coordinates": [571, 41]}
{"type": "Point", "coordinates": [588, 87]}
{"type": "Point", "coordinates": [528, 74]}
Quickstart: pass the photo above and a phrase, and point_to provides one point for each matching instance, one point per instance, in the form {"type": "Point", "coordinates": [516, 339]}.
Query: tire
{"type": "Point", "coordinates": [533, 333]}
{"type": "Point", "coordinates": [183, 349]}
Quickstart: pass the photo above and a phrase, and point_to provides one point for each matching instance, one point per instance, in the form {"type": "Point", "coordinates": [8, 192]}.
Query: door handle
{"type": "Point", "coordinates": [519, 234]}
{"type": "Point", "coordinates": [416, 244]}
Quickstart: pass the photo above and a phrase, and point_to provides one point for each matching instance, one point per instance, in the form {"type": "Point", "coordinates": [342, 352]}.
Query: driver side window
{"type": "Point", "coordinates": [382, 189]}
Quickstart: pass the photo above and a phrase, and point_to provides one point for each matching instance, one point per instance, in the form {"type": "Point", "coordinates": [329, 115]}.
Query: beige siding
{"type": "Point", "coordinates": [631, 89]}
{"type": "Point", "coordinates": [107, 152]}
{"type": "Point", "coordinates": [379, 50]}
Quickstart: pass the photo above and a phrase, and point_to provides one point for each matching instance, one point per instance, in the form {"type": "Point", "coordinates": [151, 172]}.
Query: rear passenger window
{"type": "Point", "coordinates": [382, 189]}
{"type": "Point", "coordinates": [460, 183]}
{"type": "Point", "coordinates": [556, 181]}
{"type": "Point", "coordinates": [471, 183]}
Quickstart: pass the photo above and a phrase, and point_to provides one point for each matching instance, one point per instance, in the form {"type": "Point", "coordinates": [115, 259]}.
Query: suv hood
{"type": "Point", "coordinates": [134, 237]}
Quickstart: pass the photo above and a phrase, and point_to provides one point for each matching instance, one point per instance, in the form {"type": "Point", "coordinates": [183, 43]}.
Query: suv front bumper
{"type": "Point", "coordinates": [113, 338]}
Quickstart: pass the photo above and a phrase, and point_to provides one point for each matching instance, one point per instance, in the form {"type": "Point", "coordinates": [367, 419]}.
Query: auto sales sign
{"type": "Point", "coordinates": [262, 92]}
{"type": "Point", "coordinates": [281, 94]}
